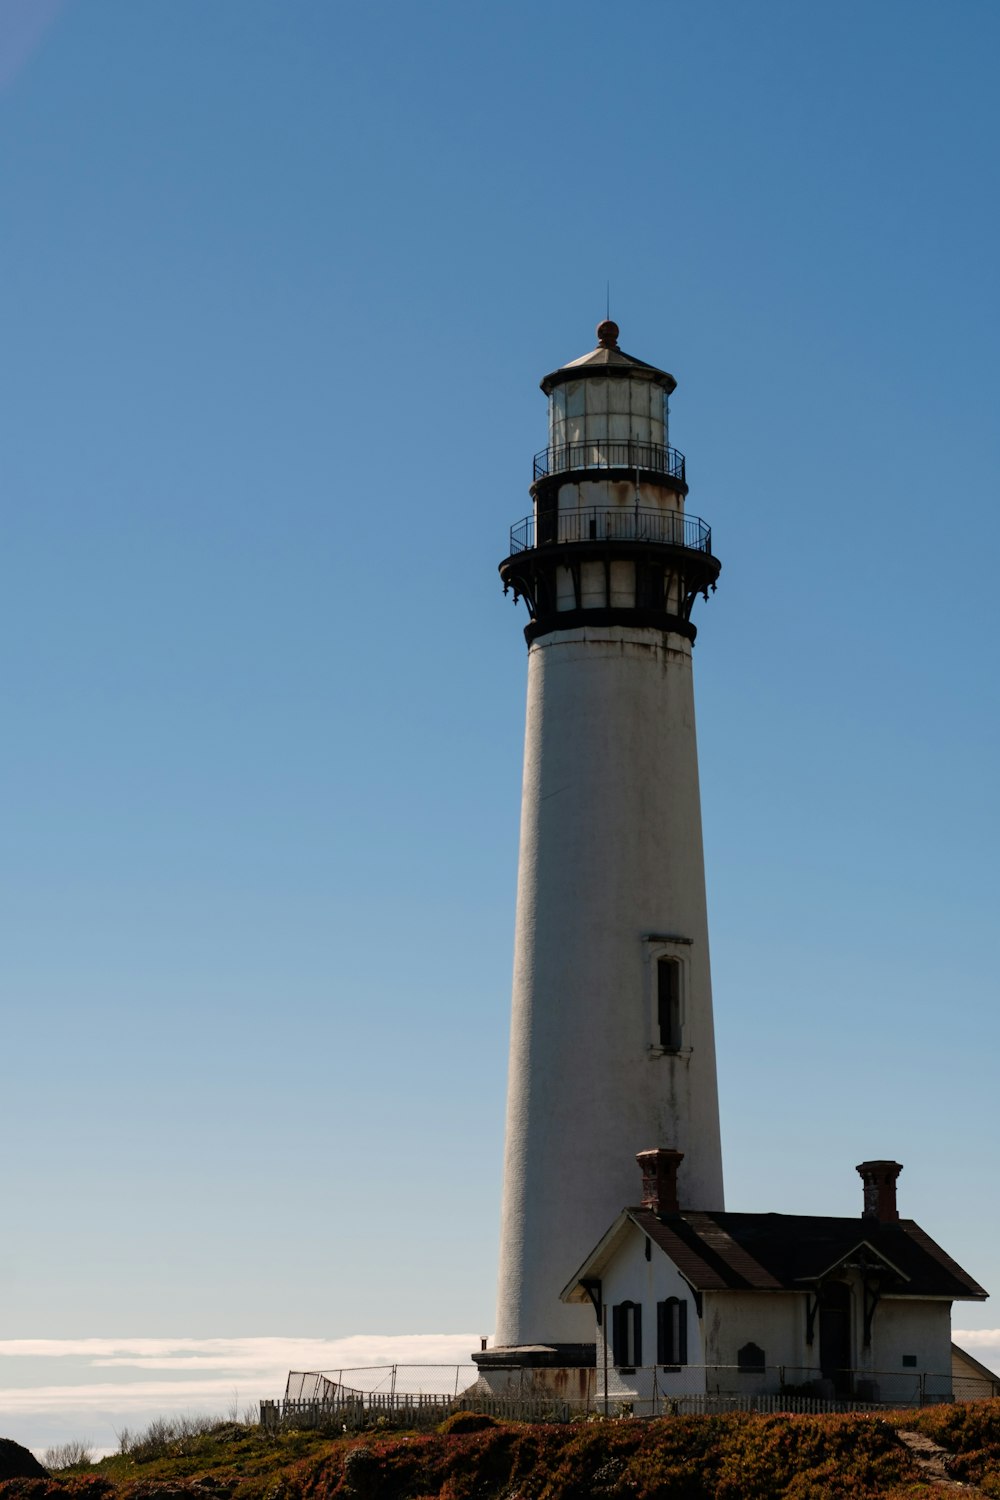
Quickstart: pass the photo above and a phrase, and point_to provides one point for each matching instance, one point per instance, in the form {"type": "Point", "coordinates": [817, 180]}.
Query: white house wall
{"type": "Point", "coordinates": [774, 1321]}
{"type": "Point", "coordinates": [777, 1323]}
{"type": "Point", "coordinates": [633, 1278]}
{"type": "Point", "coordinates": [911, 1327]}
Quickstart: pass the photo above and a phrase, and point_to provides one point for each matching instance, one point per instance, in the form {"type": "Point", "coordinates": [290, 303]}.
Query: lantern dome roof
{"type": "Point", "coordinates": [608, 360]}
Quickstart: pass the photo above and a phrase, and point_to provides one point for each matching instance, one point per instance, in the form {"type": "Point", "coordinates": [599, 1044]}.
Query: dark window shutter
{"type": "Point", "coordinates": [617, 1340]}
{"type": "Point", "coordinates": [663, 1333]}
{"type": "Point", "coordinates": [637, 1328]}
{"type": "Point", "coordinates": [682, 1333]}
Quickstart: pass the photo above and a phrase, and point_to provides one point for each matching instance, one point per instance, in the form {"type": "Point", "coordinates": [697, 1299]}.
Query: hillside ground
{"type": "Point", "coordinates": [911, 1454]}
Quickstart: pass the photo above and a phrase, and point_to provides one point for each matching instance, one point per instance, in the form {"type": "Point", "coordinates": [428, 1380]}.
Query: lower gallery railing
{"type": "Point", "coordinates": [596, 523]}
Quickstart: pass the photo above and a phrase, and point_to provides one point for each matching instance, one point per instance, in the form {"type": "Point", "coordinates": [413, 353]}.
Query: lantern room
{"type": "Point", "coordinates": [609, 540]}
{"type": "Point", "coordinates": [608, 410]}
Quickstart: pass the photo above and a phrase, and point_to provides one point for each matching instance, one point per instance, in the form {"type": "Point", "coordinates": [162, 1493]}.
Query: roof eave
{"type": "Point", "coordinates": [592, 1267]}
{"type": "Point", "coordinates": [626, 365]}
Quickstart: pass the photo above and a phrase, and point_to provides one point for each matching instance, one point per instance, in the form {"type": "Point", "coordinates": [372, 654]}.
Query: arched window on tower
{"type": "Point", "coordinates": [668, 1003]}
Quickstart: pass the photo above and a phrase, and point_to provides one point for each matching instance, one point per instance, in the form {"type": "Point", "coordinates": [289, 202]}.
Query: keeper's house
{"type": "Point", "coordinates": [693, 1302]}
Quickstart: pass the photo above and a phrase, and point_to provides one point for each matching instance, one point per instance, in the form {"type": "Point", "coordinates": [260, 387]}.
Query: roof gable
{"type": "Point", "coordinates": [861, 1257]}
{"type": "Point", "coordinates": [593, 1267]}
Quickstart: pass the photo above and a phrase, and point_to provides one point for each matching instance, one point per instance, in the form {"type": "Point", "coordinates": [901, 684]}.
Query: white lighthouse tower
{"type": "Point", "coordinates": [612, 1044]}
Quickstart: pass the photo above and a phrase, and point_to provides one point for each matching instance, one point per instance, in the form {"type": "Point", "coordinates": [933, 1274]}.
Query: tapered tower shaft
{"type": "Point", "coordinates": [612, 1043]}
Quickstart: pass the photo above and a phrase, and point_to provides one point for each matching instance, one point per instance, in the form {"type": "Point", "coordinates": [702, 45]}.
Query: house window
{"type": "Point", "coordinates": [750, 1359]}
{"type": "Point", "coordinates": [626, 1334]}
{"type": "Point", "coordinates": [668, 1003]}
{"type": "Point", "coordinates": [671, 1332]}
{"type": "Point", "coordinates": [909, 1361]}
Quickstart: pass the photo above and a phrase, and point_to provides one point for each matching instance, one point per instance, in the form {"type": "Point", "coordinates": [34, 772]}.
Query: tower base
{"type": "Point", "coordinates": [566, 1371]}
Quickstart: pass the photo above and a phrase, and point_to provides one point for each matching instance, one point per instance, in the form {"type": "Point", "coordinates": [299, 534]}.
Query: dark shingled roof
{"type": "Point", "coordinates": [789, 1252]}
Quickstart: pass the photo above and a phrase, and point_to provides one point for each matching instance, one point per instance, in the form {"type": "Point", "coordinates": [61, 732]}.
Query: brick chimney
{"type": "Point", "coordinates": [659, 1179]}
{"type": "Point", "coordinates": [879, 1178]}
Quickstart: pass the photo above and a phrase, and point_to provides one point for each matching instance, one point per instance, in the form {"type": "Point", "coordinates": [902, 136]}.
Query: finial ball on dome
{"type": "Point", "coordinates": [607, 334]}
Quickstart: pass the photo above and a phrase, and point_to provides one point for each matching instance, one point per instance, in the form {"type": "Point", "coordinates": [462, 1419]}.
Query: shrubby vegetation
{"type": "Point", "coordinates": [163, 1436]}
{"type": "Point", "coordinates": [73, 1455]}
{"type": "Point", "coordinates": [733, 1457]}
{"type": "Point", "coordinates": [971, 1431]}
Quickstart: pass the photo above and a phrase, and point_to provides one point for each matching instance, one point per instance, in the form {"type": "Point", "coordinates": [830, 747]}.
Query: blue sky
{"type": "Point", "coordinates": [278, 284]}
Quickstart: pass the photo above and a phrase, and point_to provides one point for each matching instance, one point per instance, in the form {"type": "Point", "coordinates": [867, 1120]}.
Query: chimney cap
{"type": "Point", "coordinates": [879, 1178]}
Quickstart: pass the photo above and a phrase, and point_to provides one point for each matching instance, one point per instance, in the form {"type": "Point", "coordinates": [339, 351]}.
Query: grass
{"type": "Point", "coordinates": [732, 1457]}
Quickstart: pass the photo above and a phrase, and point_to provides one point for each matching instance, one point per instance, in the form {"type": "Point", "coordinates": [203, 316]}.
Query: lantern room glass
{"type": "Point", "coordinates": [597, 423]}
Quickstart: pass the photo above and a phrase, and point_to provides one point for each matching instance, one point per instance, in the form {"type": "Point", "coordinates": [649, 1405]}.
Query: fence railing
{"type": "Point", "coordinates": [602, 453]}
{"type": "Point", "coordinates": [419, 1396]}
{"type": "Point", "coordinates": [369, 1381]}
{"type": "Point", "coordinates": [596, 523]}
{"type": "Point", "coordinates": [833, 1389]}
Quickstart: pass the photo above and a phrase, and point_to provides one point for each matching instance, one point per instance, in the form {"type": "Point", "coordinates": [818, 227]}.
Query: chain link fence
{"type": "Point", "coordinates": [380, 1380]}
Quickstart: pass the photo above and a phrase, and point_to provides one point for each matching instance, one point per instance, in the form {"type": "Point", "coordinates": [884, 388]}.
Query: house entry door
{"type": "Point", "coordinates": [835, 1335]}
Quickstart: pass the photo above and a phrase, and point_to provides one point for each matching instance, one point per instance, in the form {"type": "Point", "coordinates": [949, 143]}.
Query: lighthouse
{"type": "Point", "coordinates": [612, 1047]}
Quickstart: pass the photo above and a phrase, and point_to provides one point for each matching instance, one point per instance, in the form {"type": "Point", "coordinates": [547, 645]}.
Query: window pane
{"type": "Point", "coordinates": [618, 395]}
{"type": "Point", "coordinates": [639, 399]}
{"type": "Point", "coordinates": [597, 426]}
{"type": "Point", "coordinates": [597, 396]}
{"type": "Point", "coordinates": [668, 1003]}
{"type": "Point", "coordinates": [626, 1333]}
{"type": "Point", "coordinates": [574, 398]}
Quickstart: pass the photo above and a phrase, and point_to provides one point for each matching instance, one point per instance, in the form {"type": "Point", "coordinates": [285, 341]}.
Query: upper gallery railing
{"type": "Point", "coordinates": [601, 453]}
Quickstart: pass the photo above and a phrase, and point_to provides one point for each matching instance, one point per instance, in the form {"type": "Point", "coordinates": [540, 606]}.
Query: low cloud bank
{"type": "Point", "coordinates": [982, 1340]}
{"type": "Point", "coordinates": [93, 1398]}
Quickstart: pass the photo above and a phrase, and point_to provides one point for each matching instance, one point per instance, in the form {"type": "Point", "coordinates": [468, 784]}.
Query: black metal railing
{"type": "Point", "coordinates": [599, 453]}
{"type": "Point", "coordinates": [597, 523]}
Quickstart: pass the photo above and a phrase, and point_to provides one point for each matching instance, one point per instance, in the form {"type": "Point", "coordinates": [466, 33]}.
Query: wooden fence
{"type": "Point", "coordinates": [382, 1409]}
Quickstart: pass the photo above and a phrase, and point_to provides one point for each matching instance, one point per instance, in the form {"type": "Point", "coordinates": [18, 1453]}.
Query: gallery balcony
{"type": "Point", "coordinates": [603, 454]}
{"type": "Point", "coordinates": [595, 523]}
